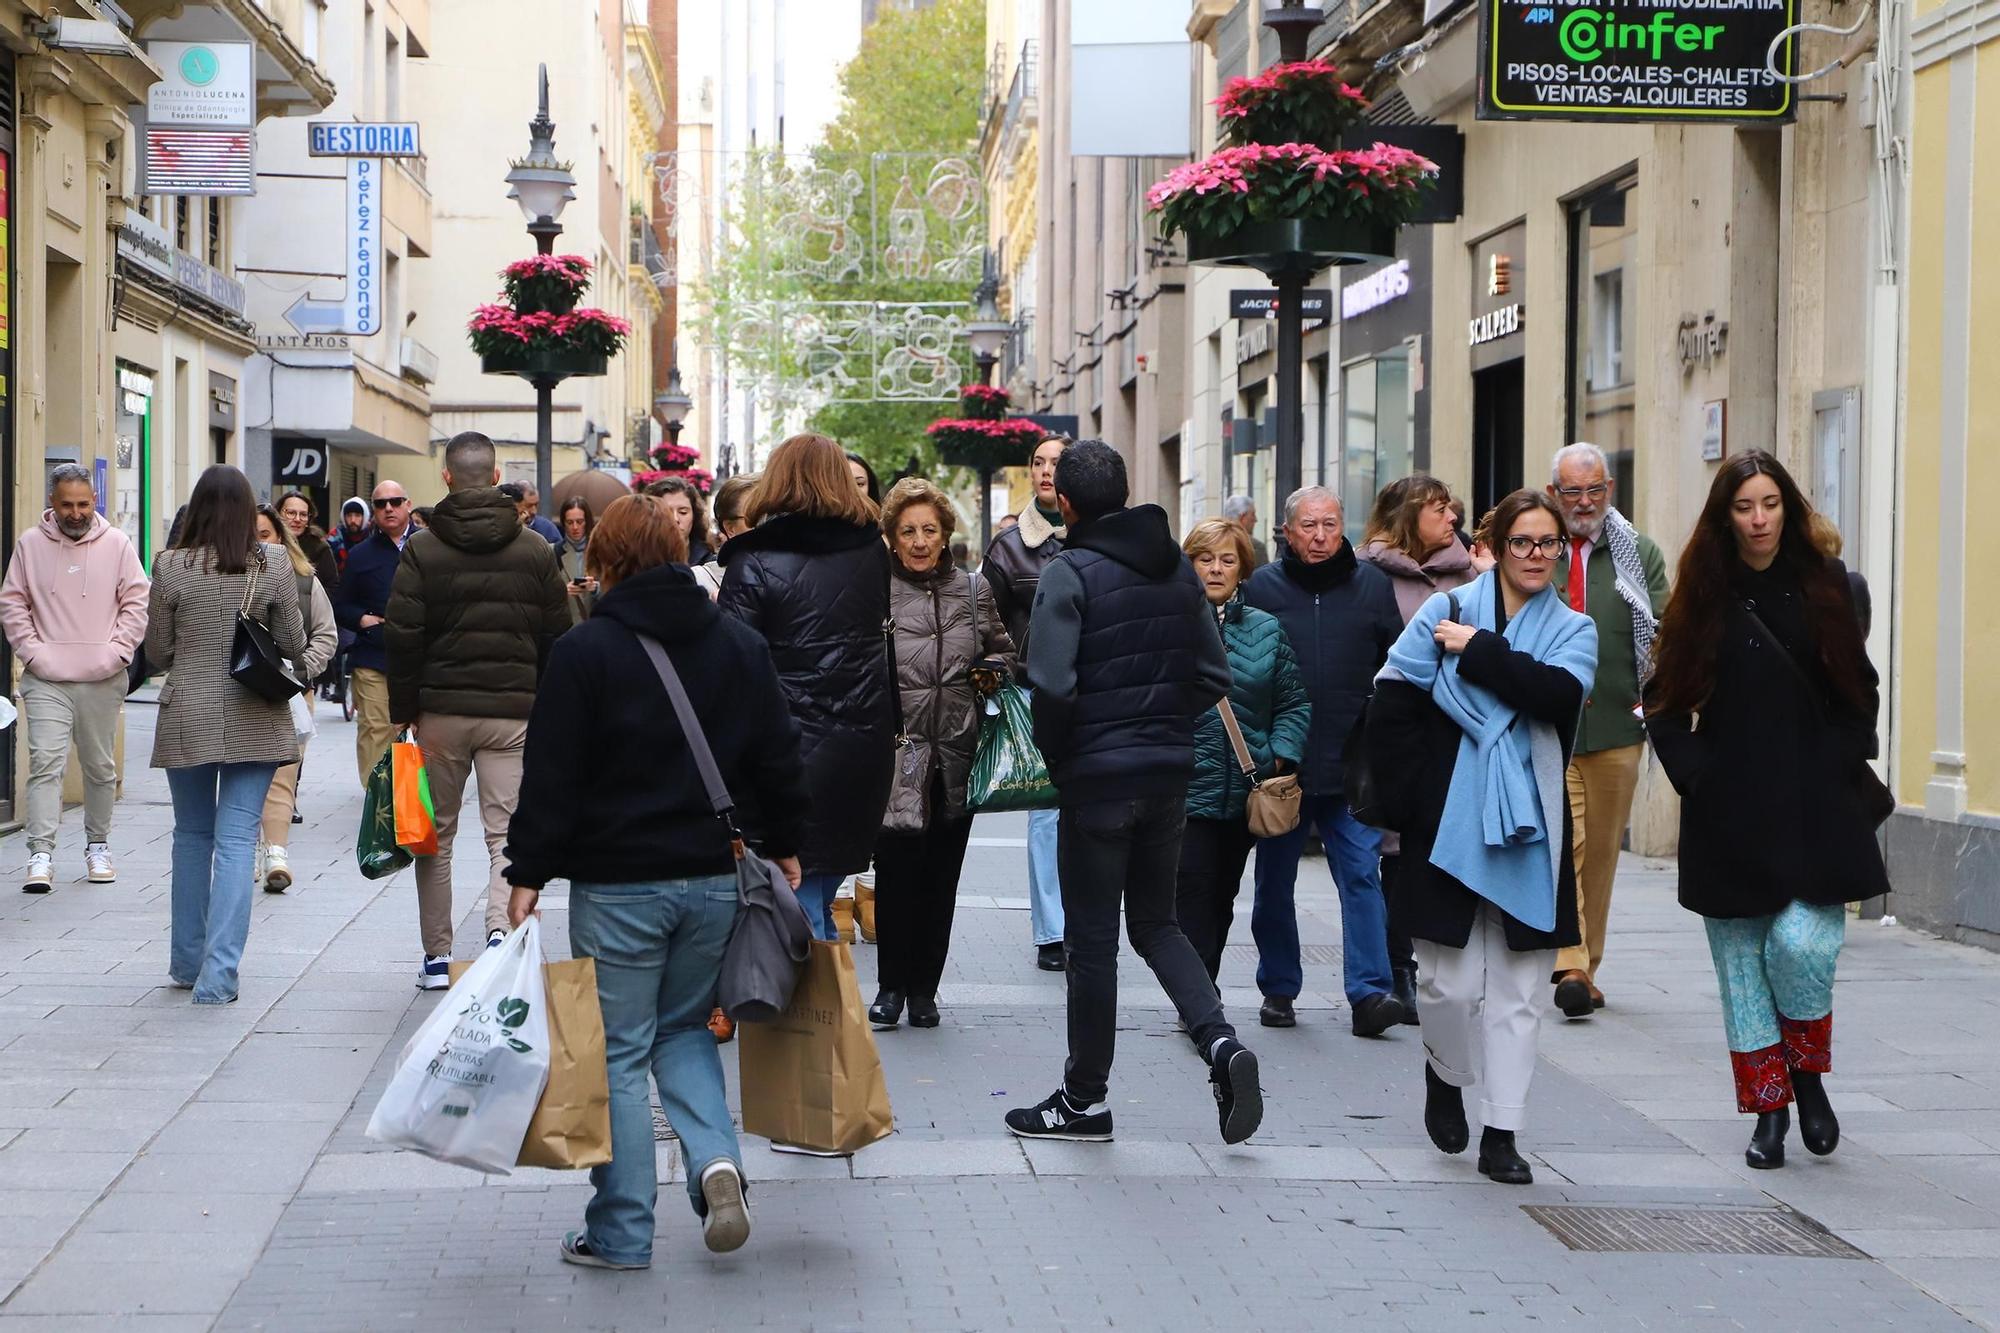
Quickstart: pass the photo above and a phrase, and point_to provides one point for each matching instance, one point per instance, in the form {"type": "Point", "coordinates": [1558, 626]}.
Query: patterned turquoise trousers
{"type": "Point", "coordinates": [1776, 977]}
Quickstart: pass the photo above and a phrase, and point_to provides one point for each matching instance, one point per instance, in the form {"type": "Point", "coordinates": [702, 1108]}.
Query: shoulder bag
{"type": "Point", "coordinates": [254, 659]}
{"type": "Point", "coordinates": [1273, 804]}
{"type": "Point", "coordinates": [1877, 801]}
{"type": "Point", "coordinates": [1363, 792]}
{"type": "Point", "coordinates": [768, 945]}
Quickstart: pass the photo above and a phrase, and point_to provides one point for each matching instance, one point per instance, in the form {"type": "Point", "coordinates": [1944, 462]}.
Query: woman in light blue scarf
{"type": "Point", "coordinates": [1469, 733]}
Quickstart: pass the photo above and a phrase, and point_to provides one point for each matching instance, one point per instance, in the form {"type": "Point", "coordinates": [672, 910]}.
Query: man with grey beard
{"type": "Point", "coordinates": [74, 608]}
{"type": "Point", "coordinates": [1618, 578]}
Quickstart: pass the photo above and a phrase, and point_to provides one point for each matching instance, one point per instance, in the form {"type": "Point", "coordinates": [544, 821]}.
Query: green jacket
{"type": "Point", "coordinates": [1269, 698]}
{"type": "Point", "coordinates": [1608, 723]}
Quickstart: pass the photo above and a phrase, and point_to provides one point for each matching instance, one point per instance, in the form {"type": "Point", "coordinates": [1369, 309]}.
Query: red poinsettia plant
{"type": "Point", "coordinates": [500, 331]}
{"type": "Point", "coordinates": [986, 444]}
{"type": "Point", "coordinates": [1264, 182]}
{"type": "Point", "coordinates": [700, 477]}
{"type": "Point", "coordinates": [546, 282]}
{"type": "Point", "coordinates": [675, 457]}
{"type": "Point", "coordinates": [1302, 102]}
{"type": "Point", "coordinates": [983, 401]}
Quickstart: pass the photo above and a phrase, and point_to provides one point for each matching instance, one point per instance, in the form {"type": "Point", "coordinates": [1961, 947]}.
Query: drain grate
{"type": "Point", "coordinates": [1604, 1230]}
{"type": "Point", "coordinates": [1322, 955]}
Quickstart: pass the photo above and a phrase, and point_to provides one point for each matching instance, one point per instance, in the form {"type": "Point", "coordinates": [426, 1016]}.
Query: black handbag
{"type": "Point", "coordinates": [254, 659]}
{"type": "Point", "coordinates": [1358, 782]}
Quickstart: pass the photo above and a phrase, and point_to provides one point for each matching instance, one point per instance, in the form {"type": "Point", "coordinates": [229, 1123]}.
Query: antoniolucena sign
{"type": "Point", "coordinates": [1695, 60]}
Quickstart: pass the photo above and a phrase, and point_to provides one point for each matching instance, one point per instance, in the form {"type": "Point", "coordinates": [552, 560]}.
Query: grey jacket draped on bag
{"type": "Point", "coordinates": [937, 641]}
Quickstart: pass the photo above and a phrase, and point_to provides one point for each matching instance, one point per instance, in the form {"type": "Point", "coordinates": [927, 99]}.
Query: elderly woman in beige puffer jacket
{"type": "Point", "coordinates": [951, 647]}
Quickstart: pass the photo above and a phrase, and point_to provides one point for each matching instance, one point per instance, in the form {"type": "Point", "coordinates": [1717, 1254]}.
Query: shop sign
{"type": "Point", "coordinates": [208, 84]}
{"type": "Point", "coordinates": [1496, 324]}
{"type": "Point", "coordinates": [1687, 60]}
{"type": "Point", "coordinates": [302, 342]}
{"type": "Point", "coordinates": [210, 284]}
{"type": "Point", "coordinates": [1714, 430]}
{"type": "Point", "coordinates": [198, 162]}
{"type": "Point", "coordinates": [363, 306]}
{"type": "Point", "coordinates": [1701, 341]}
{"type": "Point", "coordinates": [1253, 342]}
{"type": "Point", "coordinates": [145, 243]}
{"type": "Point", "coordinates": [299, 462]}
{"type": "Point", "coordinates": [1376, 290]}
{"type": "Point", "coordinates": [377, 138]}
{"type": "Point", "coordinates": [1314, 303]}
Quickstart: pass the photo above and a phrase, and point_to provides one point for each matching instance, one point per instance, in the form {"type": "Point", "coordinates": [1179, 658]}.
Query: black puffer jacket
{"type": "Point", "coordinates": [817, 589]}
{"type": "Point", "coordinates": [475, 605]}
{"type": "Point", "coordinates": [1014, 563]}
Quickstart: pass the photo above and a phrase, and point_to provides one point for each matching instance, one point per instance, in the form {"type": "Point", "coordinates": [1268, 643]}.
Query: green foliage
{"type": "Point", "coordinates": [914, 85]}
{"type": "Point", "coordinates": [885, 434]}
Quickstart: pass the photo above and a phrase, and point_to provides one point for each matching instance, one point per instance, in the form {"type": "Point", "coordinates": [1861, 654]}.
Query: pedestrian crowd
{"type": "Point", "coordinates": [1459, 718]}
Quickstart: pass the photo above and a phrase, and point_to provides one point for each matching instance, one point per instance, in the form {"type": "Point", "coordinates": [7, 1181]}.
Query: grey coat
{"type": "Point", "coordinates": [936, 645]}
{"type": "Point", "coordinates": [205, 716]}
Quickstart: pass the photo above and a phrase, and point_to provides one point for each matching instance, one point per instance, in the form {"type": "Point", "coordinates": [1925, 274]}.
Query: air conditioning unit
{"type": "Point", "coordinates": [419, 362]}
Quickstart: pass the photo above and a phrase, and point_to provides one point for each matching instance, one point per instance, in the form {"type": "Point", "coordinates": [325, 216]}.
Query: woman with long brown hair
{"type": "Point", "coordinates": [812, 576]}
{"type": "Point", "coordinates": [1762, 709]}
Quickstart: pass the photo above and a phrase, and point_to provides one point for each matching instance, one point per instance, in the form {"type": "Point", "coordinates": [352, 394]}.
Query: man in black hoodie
{"type": "Point", "coordinates": [476, 604]}
{"type": "Point", "coordinates": [1124, 655]}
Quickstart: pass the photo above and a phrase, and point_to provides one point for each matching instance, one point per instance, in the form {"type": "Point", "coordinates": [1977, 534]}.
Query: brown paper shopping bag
{"type": "Point", "coordinates": [571, 1127]}
{"type": "Point", "coordinates": [811, 1077]}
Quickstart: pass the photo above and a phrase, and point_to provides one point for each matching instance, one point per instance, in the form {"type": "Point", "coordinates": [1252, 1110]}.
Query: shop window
{"type": "Point", "coordinates": [1603, 392]}
{"type": "Point", "coordinates": [182, 241]}
{"type": "Point", "coordinates": [214, 239]}
{"type": "Point", "coordinates": [1376, 436]}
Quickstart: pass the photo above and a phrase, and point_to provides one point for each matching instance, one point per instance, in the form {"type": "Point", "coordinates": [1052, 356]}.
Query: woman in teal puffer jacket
{"type": "Point", "coordinates": [1268, 698]}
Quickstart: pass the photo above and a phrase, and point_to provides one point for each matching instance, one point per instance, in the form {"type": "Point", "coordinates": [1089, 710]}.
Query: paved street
{"type": "Point", "coordinates": [167, 1167]}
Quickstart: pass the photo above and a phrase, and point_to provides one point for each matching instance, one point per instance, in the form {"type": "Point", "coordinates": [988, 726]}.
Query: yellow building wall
{"type": "Point", "coordinates": [1917, 671]}
{"type": "Point", "coordinates": [1982, 490]}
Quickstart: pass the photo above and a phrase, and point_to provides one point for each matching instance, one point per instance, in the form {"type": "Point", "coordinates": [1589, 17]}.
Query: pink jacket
{"type": "Point", "coordinates": [74, 610]}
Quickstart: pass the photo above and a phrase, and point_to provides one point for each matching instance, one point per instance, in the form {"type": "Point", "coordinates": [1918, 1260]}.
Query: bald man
{"type": "Point", "coordinates": [359, 604]}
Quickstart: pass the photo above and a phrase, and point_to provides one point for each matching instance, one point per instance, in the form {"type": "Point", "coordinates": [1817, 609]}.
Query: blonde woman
{"type": "Point", "coordinates": [322, 638]}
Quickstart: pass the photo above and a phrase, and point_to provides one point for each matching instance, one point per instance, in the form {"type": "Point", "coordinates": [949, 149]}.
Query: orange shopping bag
{"type": "Point", "coordinates": [416, 816]}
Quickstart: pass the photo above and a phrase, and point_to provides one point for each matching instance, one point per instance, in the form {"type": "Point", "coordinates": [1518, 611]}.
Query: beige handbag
{"type": "Point", "coordinates": [1273, 804]}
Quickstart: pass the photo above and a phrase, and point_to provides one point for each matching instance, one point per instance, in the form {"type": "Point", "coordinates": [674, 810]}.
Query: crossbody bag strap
{"type": "Point", "coordinates": [1236, 741]}
{"type": "Point", "coordinates": [250, 587]}
{"type": "Point", "coordinates": [704, 758]}
{"type": "Point", "coordinates": [1812, 690]}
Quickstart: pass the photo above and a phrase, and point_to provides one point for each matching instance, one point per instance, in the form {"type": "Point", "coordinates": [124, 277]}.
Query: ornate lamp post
{"type": "Point", "coordinates": [542, 185]}
{"type": "Point", "coordinates": [673, 405]}
{"type": "Point", "coordinates": [987, 333]}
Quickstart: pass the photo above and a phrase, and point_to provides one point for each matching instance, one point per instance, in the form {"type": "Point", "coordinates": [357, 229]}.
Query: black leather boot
{"type": "Point", "coordinates": [887, 1011]}
{"type": "Point", "coordinates": [1405, 990]}
{"type": "Point", "coordinates": [923, 1011]}
{"type": "Point", "coordinates": [1500, 1161]}
{"type": "Point", "coordinates": [1444, 1113]}
{"type": "Point", "coordinates": [1767, 1144]}
{"type": "Point", "coordinates": [1819, 1128]}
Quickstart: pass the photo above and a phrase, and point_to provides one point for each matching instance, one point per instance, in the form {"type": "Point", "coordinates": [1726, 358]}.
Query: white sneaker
{"type": "Point", "coordinates": [97, 864]}
{"type": "Point", "coordinates": [435, 974]}
{"type": "Point", "coordinates": [277, 871]}
{"type": "Point", "coordinates": [41, 876]}
{"type": "Point", "coordinates": [495, 938]}
{"type": "Point", "coordinates": [727, 1223]}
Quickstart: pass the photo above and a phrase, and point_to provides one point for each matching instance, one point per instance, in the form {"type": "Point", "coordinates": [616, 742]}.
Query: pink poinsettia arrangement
{"type": "Point", "coordinates": [675, 457]}
{"type": "Point", "coordinates": [1266, 182]}
{"type": "Point", "coordinates": [500, 329]}
{"type": "Point", "coordinates": [985, 443]}
{"type": "Point", "coordinates": [546, 282]}
{"type": "Point", "coordinates": [1305, 101]}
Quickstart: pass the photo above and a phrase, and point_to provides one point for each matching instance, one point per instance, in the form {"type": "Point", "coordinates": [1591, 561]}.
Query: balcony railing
{"type": "Point", "coordinates": [1021, 94]}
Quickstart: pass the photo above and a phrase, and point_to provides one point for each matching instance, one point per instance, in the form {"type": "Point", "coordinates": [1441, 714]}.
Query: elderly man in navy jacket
{"type": "Point", "coordinates": [1341, 617]}
{"type": "Point", "coordinates": [1124, 655]}
{"type": "Point", "coordinates": [359, 605]}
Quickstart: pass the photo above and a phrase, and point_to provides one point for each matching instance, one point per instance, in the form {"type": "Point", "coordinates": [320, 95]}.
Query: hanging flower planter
{"type": "Point", "coordinates": [1294, 244]}
{"type": "Point", "coordinates": [986, 445]}
{"type": "Point", "coordinates": [538, 331]}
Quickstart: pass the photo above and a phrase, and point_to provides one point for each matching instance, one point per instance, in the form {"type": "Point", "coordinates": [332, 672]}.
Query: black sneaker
{"type": "Point", "coordinates": [1057, 1117]}
{"type": "Point", "coordinates": [1276, 1012]}
{"type": "Point", "coordinates": [1232, 1074]}
{"type": "Point", "coordinates": [1049, 957]}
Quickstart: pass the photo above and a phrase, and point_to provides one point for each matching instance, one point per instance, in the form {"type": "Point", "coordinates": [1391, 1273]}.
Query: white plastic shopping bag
{"type": "Point", "coordinates": [303, 725]}
{"type": "Point", "coordinates": [468, 1082]}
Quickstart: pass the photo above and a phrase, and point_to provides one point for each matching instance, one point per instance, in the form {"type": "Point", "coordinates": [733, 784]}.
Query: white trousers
{"type": "Point", "coordinates": [1481, 1008]}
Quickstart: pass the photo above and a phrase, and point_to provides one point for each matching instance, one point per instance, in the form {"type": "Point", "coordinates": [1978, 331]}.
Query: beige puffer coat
{"type": "Point", "coordinates": [935, 648]}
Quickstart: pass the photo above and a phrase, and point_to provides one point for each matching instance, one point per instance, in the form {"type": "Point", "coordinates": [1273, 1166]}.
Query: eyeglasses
{"type": "Point", "coordinates": [1575, 493]}
{"type": "Point", "coordinates": [392, 502]}
{"type": "Point", "coordinates": [1522, 547]}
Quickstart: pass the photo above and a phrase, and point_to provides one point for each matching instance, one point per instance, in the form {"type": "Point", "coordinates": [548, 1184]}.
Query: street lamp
{"type": "Point", "coordinates": [673, 405]}
{"type": "Point", "coordinates": [987, 333]}
{"type": "Point", "coordinates": [542, 185]}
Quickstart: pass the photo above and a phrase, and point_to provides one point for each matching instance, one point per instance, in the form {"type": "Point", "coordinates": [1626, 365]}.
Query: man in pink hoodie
{"type": "Point", "coordinates": [74, 608]}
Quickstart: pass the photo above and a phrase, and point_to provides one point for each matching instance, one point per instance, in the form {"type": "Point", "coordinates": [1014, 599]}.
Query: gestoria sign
{"type": "Point", "coordinates": [1685, 60]}
{"type": "Point", "coordinates": [209, 84]}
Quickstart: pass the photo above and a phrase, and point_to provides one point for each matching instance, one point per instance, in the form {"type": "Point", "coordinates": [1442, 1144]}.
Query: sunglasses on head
{"type": "Point", "coordinates": [392, 502]}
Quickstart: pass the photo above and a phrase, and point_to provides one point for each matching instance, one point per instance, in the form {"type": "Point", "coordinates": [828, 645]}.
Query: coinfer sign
{"type": "Point", "coordinates": [1688, 60]}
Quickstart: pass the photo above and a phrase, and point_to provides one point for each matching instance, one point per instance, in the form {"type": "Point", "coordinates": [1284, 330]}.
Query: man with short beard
{"type": "Point", "coordinates": [74, 608]}
{"type": "Point", "coordinates": [1618, 578]}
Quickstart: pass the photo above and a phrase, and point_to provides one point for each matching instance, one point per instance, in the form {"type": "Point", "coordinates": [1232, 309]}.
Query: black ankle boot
{"type": "Point", "coordinates": [887, 1011]}
{"type": "Point", "coordinates": [923, 1011]}
{"type": "Point", "coordinates": [1500, 1161]}
{"type": "Point", "coordinates": [1819, 1128]}
{"type": "Point", "coordinates": [1405, 989]}
{"type": "Point", "coordinates": [1444, 1113]}
{"type": "Point", "coordinates": [1767, 1144]}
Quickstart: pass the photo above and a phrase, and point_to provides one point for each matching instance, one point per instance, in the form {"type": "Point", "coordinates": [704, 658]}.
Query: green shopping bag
{"type": "Point", "coordinates": [376, 847]}
{"type": "Point", "coordinates": [1007, 771]}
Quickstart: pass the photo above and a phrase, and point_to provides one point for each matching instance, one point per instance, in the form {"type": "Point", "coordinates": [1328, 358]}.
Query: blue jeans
{"type": "Point", "coordinates": [658, 948]}
{"type": "Point", "coordinates": [1354, 855]}
{"type": "Point", "coordinates": [816, 896]}
{"type": "Point", "coordinates": [217, 811]}
{"type": "Point", "coordinates": [1045, 905]}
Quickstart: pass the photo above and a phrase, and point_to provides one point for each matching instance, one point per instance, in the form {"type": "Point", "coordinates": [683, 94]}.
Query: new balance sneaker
{"type": "Point", "coordinates": [1239, 1100]}
{"type": "Point", "coordinates": [576, 1250]}
{"type": "Point", "coordinates": [435, 973]}
{"type": "Point", "coordinates": [97, 866]}
{"type": "Point", "coordinates": [725, 1223]}
{"type": "Point", "coordinates": [41, 876]}
{"type": "Point", "coordinates": [277, 870]}
{"type": "Point", "coordinates": [495, 938]}
{"type": "Point", "coordinates": [1058, 1117]}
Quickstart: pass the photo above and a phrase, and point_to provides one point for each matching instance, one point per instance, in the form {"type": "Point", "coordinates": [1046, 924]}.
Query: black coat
{"type": "Point", "coordinates": [1013, 568]}
{"type": "Point", "coordinates": [817, 589]}
{"type": "Point", "coordinates": [1772, 807]}
{"type": "Point", "coordinates": [1341, 618]}
{"type": "Point", "coordinates": [1413, 747]}
{"type": "Point", "coordinates": [609, 790]}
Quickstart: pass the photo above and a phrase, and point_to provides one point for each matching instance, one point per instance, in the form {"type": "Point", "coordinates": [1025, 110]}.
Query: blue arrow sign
{"type": "Point", "coordinates": [309, 316]}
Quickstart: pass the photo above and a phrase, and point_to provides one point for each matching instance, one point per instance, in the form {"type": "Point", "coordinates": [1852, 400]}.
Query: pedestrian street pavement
{"type": "Point", "coordinates": [167, 1167]}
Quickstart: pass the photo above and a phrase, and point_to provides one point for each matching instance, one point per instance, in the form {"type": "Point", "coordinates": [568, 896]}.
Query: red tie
{"type": "Point", "coordinates": [1576, 546]}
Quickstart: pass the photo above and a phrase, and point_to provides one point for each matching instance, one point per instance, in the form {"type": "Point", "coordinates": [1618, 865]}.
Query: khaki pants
{"type": "Point", "coordinates": [59, 712]}
{"type": "Point", "coordinates": [455, 747]}
{"type": "Point", "coordinates": [372, 729]}
{"type": "Point", "coordinates": [282, 799]}
{"type": "Point", "coordinates": [1600, 803]}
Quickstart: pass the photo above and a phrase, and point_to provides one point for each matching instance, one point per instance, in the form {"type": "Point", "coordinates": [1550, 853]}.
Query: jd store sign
{"type": "Point", "coordinates": [297, 462]}
{"type": "Point", "coordinates": [1694, 60]}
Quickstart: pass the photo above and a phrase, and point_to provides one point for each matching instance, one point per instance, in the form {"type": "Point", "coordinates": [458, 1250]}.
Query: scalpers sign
{"type": "Point", "coordinates": [203, 83]}
{"type": "Point", "coordinates": [1653, 60]}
